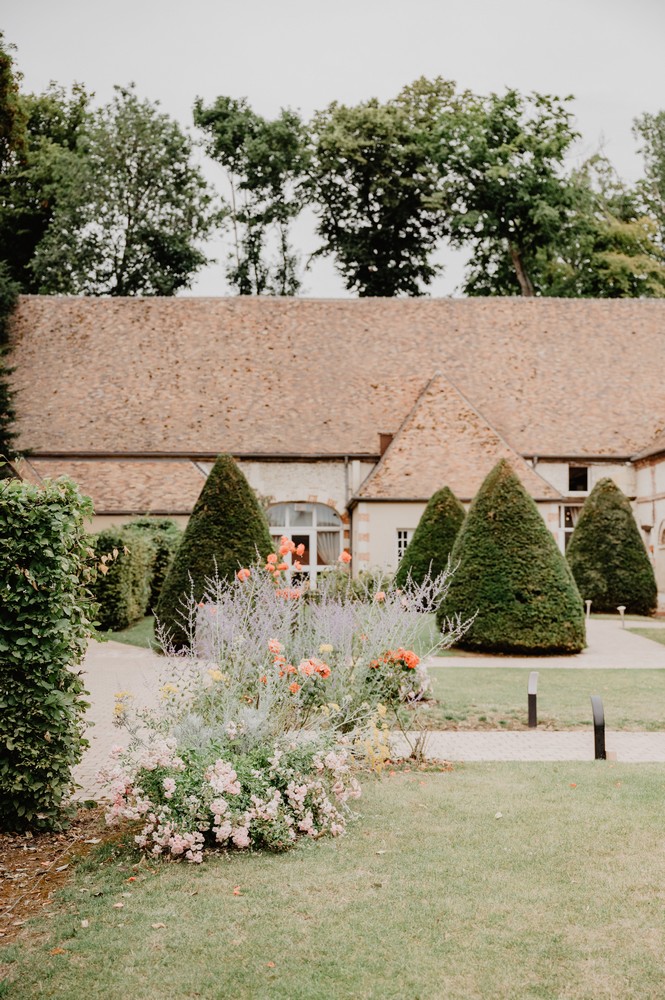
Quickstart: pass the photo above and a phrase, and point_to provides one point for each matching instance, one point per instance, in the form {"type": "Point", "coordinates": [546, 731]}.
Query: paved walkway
{"type": "Point", "coordinates": [111, 667]}
{"type": "Point", "coordinates": [609, 647]}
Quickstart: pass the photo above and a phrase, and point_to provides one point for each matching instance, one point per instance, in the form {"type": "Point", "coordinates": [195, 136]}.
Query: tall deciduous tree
{"type": "Point", "coordinates": [264, 162]}
{"type": "Point", "coordinates": [651, 130]}
{"type": "Point", "coordinates": [29, 186]}
{"type": "Point", "coordinates": [508, 194]}
{"type": "Point", "coordinates": [376, 188]}
{"type": "Point", "coordinates": [609, 246]}
{"type": "Point", "coordinates": [132, 208]}
{"type": "Point", "coordinates": [12, 145]}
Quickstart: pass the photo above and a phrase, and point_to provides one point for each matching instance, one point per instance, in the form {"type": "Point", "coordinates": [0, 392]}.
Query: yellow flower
{"type": "Point", "coordinates": [169, 689]}
{"type": "Point", "coordinates": [215, 675]}
{"type": "Point", "coordinates": [325, 648]}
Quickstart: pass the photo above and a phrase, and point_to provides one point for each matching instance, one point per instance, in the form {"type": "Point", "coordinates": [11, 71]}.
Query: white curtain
{"type": "Point", "coordinates": [328, 547]}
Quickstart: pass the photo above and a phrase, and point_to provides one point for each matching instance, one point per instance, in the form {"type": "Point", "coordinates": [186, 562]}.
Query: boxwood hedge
{"type": "Point", "coordinates": [226, 529]}
{"type": "Point", "coordinates": [512, 573]}
{"type": "Point", "coordinates": [433, 539]}
{"type": "Point", "coordinates": [607, 555]}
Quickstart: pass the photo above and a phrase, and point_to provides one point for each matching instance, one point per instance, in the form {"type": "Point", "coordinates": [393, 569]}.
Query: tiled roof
{"type": "Point", "coordinates": [125, 487]}
{"type": "Point", "coordinates": [187, 375]}
{"type": "Point", "coordinates": [445, 442]}
{"type": "Point", "coordinates": [656, 447]}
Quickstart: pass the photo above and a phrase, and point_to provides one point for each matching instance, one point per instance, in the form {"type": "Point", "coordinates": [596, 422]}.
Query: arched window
{"type": "Point", "coordinates": [314, 525]}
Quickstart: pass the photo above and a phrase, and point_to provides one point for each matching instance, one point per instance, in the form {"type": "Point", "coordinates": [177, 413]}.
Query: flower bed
{"type": "Point", "coordinates": [265, 713]}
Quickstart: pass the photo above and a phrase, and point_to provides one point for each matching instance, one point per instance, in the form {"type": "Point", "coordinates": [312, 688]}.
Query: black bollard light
{"type": "Point", "coordinates": [532, 699]}
{"type": "Point", "coordinates": [598, 727]}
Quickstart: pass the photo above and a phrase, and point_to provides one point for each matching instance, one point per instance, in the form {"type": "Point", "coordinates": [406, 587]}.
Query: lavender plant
{"type": "Point", "coordinates": [270, 675]}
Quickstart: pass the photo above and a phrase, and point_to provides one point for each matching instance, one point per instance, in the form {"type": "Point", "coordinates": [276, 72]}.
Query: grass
{"type": "Point", "coordinates": [657, 634]}
{"type": "Point", "coordinates": [628, 618]}
{"type": "Point", "coordinates": [141, 634]}
{"type": "Point", "coordinates": [428, 896]}
{"type": "Point", "coordinates": [486, 697]}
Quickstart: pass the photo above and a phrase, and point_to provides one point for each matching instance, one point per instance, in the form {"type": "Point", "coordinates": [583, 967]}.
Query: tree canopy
{"type": "Point", "coordinates": [374, 186]}
{"type": "Point", "coordinates": [132, 208]}
{"type": "Point", "coordinates": [264, 162]}
{"type": "Point", "coordinates": [111, 201]}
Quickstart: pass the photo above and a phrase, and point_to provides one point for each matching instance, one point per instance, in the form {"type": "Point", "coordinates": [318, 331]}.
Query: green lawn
{"type": "Point", "coordinates": [430, 895]}
{"type": "Point", "coordinates": [486, 697]}
{"type": "Point", "coordinates": [657, 634]}
{"type": "Point", "coordinates": [140, 634]}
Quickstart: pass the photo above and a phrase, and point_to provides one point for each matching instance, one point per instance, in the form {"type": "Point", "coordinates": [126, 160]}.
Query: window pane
{"type": "Point", "coordinates": [328, 546]}
{"type": "Point", "coordinates": [578, 478]}
{"type": "Point", "coordinates": [326, 517]}
{"type": "Point", "coordinates": [301, 518]}
{"type": "Point", "coordinates": [301, 540]}
{"type": "Point", "coordinates": [277, 514]}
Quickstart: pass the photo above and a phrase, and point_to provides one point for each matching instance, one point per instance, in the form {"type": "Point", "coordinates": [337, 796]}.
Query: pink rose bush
{"type": "Point", "coordinates": [232, 796]}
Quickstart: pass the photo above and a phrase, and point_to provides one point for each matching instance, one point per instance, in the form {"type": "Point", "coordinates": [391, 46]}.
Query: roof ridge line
{"type": "Point", "coordinates": [501, 437]}
{"type": "Point", "coordinates": [398, 433]}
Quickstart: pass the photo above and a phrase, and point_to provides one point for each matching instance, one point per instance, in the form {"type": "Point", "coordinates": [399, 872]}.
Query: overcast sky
{"type": "Point", "coordinates": [303, 54]}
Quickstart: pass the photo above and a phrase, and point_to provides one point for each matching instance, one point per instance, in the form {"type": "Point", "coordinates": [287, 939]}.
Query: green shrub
{"type": "Point", "coordinates": [166, 537]}
{"type": "Point", "coordinates": [226, 529]}
{"type": "Point", "coordinates": [607, 556]}
{"type": "Point", "coordinates": [511, 572]}
{"type": "Point", "coordinates": [433, 539]}
{"type": "Point", "coordinates": [125, 559]}
{"type": "Point", "coordinates": [45, 622]}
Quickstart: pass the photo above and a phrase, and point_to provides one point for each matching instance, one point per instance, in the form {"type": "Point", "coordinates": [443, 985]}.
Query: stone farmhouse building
{"type": "Point", "coordinates": [345, 415]}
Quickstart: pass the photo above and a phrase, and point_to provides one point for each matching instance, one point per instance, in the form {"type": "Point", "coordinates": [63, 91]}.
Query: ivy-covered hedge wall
{"type": "Point", "coordinates": [166, 537]}
{"type": "Point", "coordinates": [46, 613]}
{"type": "Point", "coordinates": [125, 560]}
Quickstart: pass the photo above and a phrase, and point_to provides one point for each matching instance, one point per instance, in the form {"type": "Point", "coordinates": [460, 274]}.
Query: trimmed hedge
{"type": "Point", "coordinates": [46, 613]}
{"type": "Point", "coordinates": [433, 539]}
{"type": "Point", "coordinates": [125, 559]}
{"type": "Point", "coordinates": [226, 529]}
{"type": "Point", "coordinates": [166, 537]}
{"type": "Point", "coordinates": [512, 572]}
{"type": "Point", "coordinates": [607, 555]}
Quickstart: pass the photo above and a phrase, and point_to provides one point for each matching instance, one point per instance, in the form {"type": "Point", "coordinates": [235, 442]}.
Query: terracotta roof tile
{"type": "Point", "coordinates": [188, 375]}
{"type": "Point", "coordinates": [126, 487]}
{"type": "Point", "coordinates": [445, 442]}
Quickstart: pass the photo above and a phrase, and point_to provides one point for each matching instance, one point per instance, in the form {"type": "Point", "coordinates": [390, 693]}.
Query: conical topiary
{"type": "Point", "coordinates": [433, 539]}
{"type": "Point", "coordinates": [226, 529]}
{"type": "Point", "coordinates": [607, 556]}
{"type": "Point", "coordinates": [512, 573]}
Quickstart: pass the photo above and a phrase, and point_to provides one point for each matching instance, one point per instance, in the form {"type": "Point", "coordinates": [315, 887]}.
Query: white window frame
{"type": "Point", "coordinates": [564, 531]}
{"type": "Point", "coordinates": [404, 536]}
{"type": "Point", "coordinates": [310, 530]}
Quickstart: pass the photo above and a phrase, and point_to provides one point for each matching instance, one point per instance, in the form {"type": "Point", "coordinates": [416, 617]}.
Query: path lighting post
{"type": "Point", "coordinates": [588, 609]}
{"type": "Point", "coordinates": [622, 610]}
{"type": "Point", "coordinates": [532, 699]}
